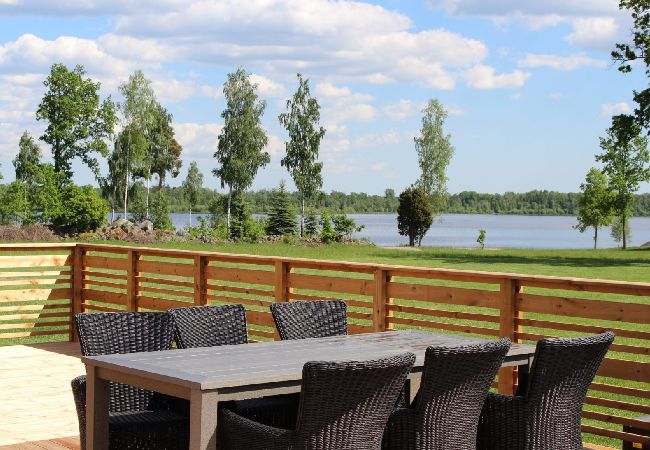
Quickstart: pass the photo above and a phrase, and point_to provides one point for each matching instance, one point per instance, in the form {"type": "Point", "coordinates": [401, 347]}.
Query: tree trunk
{"type": "Point", "coordinates": [190, 215]}
{"type": "Point", "coordinates": [411, 240]}
{"type": "Point", "coordinates": [228, 214]}
{"type": "Point", "coordinates": [148, 191]}
{"type": "Point", "coordinates": [624, 231]}
{"type": "Point", "coordinates": [302, 216]}
{"type": "Point", "coordinates": [126, 191]}
{"type": "Point", "coordinates": [595, 237]}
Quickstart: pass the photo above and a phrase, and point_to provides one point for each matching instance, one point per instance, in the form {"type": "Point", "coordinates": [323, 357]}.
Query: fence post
{"type": "Point", "coordinates": [199, 280]}
{"type": "Point", "coordinates": [380, 300]}
{"type": "Point", "coordinates": [509, 313]}
{"type": "Point", "coordinates": [282, 289]}
{"type": "Point", "coordinates": [132, 280]}
{"type": "Point", "coordinates": [77, 288]}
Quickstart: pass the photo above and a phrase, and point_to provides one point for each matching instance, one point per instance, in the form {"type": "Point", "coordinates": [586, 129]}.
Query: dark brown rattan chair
{"type": "Point", "coordinates": [343, 406]}
{"type": "Point", "coordinates": [445, 413]}
{"type": "Point", "coordinates": [310, 319]}
{"type": "Point", "coordinates": [547, 415]}
{"type": "Point", "coordinates": [138, 419]}
{"type": "Point", "coordinates": [211, 326]}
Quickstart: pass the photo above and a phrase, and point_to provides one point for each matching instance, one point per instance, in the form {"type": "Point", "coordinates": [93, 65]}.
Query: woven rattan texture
{"type": "Point", "coordinates": [445, 414]}
{"type": "Point", "coordinates": [343, 406]}
{"type": "Point", "coordinates": [209, 326]}
{"type": "Point", "coordinates": [310, 319]}
{"type": "Point", "coordinates": [548, 415]}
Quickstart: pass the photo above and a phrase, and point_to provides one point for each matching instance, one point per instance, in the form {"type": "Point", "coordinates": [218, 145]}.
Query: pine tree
{"type": "Point", "coordinates": [282, 219]}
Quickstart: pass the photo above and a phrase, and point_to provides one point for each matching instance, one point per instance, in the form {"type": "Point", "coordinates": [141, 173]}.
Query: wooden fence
{"type": "Point", "coordinates": [43, 285]}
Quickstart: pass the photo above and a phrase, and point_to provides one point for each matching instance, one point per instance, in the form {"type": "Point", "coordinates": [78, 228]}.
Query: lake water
{"type": "Point", "coordinates": [461, 230]}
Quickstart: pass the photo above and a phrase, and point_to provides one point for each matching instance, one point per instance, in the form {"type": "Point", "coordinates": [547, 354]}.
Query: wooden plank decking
{"type": "Point", "coordinates": [36, 403]}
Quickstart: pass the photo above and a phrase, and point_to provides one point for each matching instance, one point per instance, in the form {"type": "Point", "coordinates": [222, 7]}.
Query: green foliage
{"type": "Point", "coordinates": [192, 186]}
{"type": "Point", "coordinates": [14, 207]}
{"type": "Point", "coordinates": [28, 159]}
{"type": "Point", "coordinates": [311, 224]}
{"type": "Point", "coordinates": [81, 210]}
{"type": "Point", "coordinates": [626, 163]}
{"type": "Point", "coordinates": [639, 50]}
{"type": "Point", "coordinates": [414, 214]}
{"type": "Point", "coordinates": [621, 229]}
{"type": "Point", "coordinates": [242, 139]}
{"type": "Point", "coordinates": [282, 217]}
{"type": "Point", "coordinates": [434, 154]}
{"type": "Point", "coordinates": [78, 123]}
{"type": "Point", "coordinates": [138, 204]}
{"type": "Point", "coordinates": [305, 135]}
{"type": "Point", "coordinates": [327, 233]}
{"type": "Point", "coordinates": [595, 206]}
{"type": "Point", "coordinates": [164, 150]}
{"type": "Point", "coordinates": [480, 240]}
{"type": "Point", "coordinates": [344, 226]}
{"type": "Point", "coordinates": [243, 227]}
{"type": "Point", "coordinates": [160, 212]}
{"type": "Point", "coordinates": [209, 231]}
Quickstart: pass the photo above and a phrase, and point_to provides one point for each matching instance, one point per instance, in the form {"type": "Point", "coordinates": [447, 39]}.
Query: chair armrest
{"type": "Point", "coordinates": [237, 432]}
{"type": "Point", "coordinates": [502, 423]}
{"type": "Point", "coordinates": [78, 385]}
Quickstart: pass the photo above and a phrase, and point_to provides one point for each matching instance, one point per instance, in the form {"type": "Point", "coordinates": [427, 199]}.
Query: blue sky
{"type": "Point", "coordinates": [529, 86]}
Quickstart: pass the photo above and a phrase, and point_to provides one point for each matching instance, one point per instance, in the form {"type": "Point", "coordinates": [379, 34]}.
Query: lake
{"type": "Point", "coordinates": [461, 230]}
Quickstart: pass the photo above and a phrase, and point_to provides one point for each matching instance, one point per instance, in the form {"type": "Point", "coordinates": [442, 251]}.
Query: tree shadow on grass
{"type": "Point", "coordinates": [636, 257]}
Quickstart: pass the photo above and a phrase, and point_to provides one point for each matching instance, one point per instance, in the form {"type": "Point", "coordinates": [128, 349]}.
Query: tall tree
{"type": "Point", "coordinates": [305, 135]}
{"type": "Point", "coordinates": [626, 163]}
{"type": "Point", "coordinates": [638, 50]}
{"type": "Point", "coordinates": [595, 204]}
{"type": "Point", "coordinates": [282, 217]}
{"type": "Point", "coordinates": [78, 123]}
{"type": "Point", "coordinates": [192, 186]}
{"type": "Point", "coordinates": [28, 159]}
{"type": "Point", "coordinates": [414, 214]}
{"type": "Point", "coordinates": [138, 115]}
{"type": "Point", "coordinates": [434, 154]}
{"type": "Point", "coordinates": [240, 149]}
{"type": "Point", "coordinates": [164, 148]}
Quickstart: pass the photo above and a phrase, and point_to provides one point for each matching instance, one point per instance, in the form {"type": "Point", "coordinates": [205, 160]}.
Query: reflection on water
{"type": "Point", "coordinates": [461, 230]}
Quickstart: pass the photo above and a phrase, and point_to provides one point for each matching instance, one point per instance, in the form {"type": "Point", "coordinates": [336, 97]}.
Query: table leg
{"type": "Point", "coordinates": [203, 420]}
{"type": "Point", "coordinates": [97, 393]}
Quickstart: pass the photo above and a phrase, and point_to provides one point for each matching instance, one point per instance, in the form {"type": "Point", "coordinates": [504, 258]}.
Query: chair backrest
{"type": "Point", "coordinates": [124, 332]}
{"type": "Point", "coordinates": [455, 382]}
{"type": "Point", "coordinates": [310, 319]}
{"type": "Point", "coordinates": [345, 405]}
{"type": "Point", "coordinates": [209, 326]}
{"type": "Point", "coordinates": [560, 376]}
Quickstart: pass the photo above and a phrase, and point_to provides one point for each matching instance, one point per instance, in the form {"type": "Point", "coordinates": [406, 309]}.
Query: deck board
{"type": "Point", "coordinates": [36, 399]}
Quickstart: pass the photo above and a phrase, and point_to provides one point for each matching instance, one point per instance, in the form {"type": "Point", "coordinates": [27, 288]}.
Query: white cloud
{"type": "Point", "coordinates": [379, 167]}
{"type": "Point", "coordinates": [612, 109]}
{"type": "Point", "coordinates": [485, 77]}
{"type": "Point", "coordinates": [556, 95]}
{"type": "Point", "coordinates": [329, 90]}
{"type": "Point", "coordinates": [400, 110]}
{"type": "Point", "coordinates": [372, 140]}
{"type": "Point", "coordinates": [198, 140]}
{"type": "Point", "coordinates": [571, 62]}
{"type": "Point", "coordinates": [455, 110]}
{"type": "Point", "coordinates": [594, 32]}
{"type": "Point", "coordinates": [362, 112]}
{"type": "Point", "coordinates": [267, 87]}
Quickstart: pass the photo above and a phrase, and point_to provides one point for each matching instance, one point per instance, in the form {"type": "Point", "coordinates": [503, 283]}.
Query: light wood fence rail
{"type": "Point", "coordinates": [43, 285]}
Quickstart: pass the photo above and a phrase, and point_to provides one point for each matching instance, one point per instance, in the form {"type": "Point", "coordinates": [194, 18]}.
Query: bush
{"type": "Point", "coordinates": [344, 226]}
{"type": "Point", "coordinates": [160, 212]}
{"type": "Point", "coordinates": [81, 210]}
{"type": "Point", "coordinates": [414, 214]}
{"type": "Point", "coordinates": [282, 217]}
{"type": "Point", "coordinates": [311, 224]}
{"type": "Point", "coordinates": [327, 233]}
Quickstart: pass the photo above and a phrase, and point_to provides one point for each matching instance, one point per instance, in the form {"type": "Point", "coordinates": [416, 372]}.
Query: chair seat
{"type": "Point", "coordinates": [148, 430]}
{"type": "Point", "coordinates": [279, 411]}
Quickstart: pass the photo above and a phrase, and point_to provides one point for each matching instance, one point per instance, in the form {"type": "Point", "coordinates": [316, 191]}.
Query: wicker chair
{"type": "Point", "coordinates": [547, 414]}
{"type": "Point", "coordinates": [445, 413]}
{"type": "Point", "coordinates": [310, 319]}
{"type": "Point", "coordinates": [211, 326]}
{"type": "Point", "coordinates": [343, 406]}
{"type": "Point", "coordinates": [138, 419]}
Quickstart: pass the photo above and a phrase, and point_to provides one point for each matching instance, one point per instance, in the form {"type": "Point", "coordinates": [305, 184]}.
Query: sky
{"type": "Point", "coordinates": [529, 85]}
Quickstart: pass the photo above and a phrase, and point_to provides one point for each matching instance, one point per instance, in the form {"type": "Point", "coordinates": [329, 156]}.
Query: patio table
{"type": "Point", "coordinates": [205, 376]}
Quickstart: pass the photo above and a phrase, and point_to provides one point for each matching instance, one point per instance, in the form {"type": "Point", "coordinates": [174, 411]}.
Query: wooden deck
{"type": "Point", "coordinates": [36, 403]}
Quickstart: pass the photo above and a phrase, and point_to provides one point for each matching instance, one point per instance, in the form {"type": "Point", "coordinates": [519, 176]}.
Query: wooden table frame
{"type": "Point", "coordinates": [206, 376]}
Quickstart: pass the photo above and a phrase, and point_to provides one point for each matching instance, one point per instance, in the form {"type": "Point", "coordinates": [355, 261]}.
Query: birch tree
{"type": "Point", "coordinates": [240, 148]}
{"type": "Point", "coordinates": [192, 186]}
{"type": "Point", "coordinates": [305, 135]}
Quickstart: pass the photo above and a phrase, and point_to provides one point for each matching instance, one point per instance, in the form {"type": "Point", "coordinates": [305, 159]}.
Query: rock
{"type": "Point", "coordinates": [121, 223]}
{"type": "Point", "coordinates": [147, 226]}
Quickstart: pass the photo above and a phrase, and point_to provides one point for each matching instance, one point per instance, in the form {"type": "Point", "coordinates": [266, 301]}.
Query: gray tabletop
{"type": "Point", "coordinates": [276, 361]}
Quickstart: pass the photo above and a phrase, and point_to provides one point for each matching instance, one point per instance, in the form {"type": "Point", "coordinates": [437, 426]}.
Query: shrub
{"type": "Point", "coordinates": [81, 210]}
{"type": "Point", "coordinates": [414, 214]}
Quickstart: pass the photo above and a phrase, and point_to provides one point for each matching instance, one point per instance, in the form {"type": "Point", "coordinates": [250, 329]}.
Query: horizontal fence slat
{"type": "Point", "coordinates": [95, 274]}
{"type": "Point", "coordinates": [622, 390]}
{"type": "Point", "coordinates": [21, 325]}
{"type": "Point", "coordinates": [101, 283]}
{"type": "Point", "coordinates": [12, 317]}
{"type": "Point", "coordinates": [262, 333]}
{"type": "Point", "coordinates": [579, 307]}
{"type": "Point", "coordinates": [613, 348]}
{"type": "Point", "coordinates": [609, 418]}
{"type": "Point", "coordinates": [442, 313]}
{"type": "Point", "coordinates": [615, 434]}
{"type": "Point", "coordinates": [88, 307]}
{"type": "Point", "coordinates": [33, 274]}
{"type": "Point", "coordinates": [22, 295]}
{"type": "Point", "coordinates": [237, 300]}
{"type": "Point", "coordinates": [239, 290]}
{"type": "Point", "coordinates": [252, 276]}
{"type": "Point", "coordinates": [22, 261]}
{"type": "Point", "coordinates": [626, 370]}
{"type": "Point", "coordinates": [104, 296]}
{"type": "Point", "coordinates": [23, 334]}
{"type": "Point", "coordinates": [154, 280]}
{"type": "Point", "coordinates": [617, 404]}
{"type": "Point", "coordinates": [333, 284]}
{"type": "Point", "coordinates": [260, 318]}
{"type": "Point", "coordinates": [160, 304]}
{"type": "Point", "coordinates": [443, 294]}
{"type": "Point", "coordinates": [103, 262]}
{"type": "Point", "coordinates": [27, 306]}
{"type": "Point", "coordinates": [442, 326]}
{"type": "Point", "coordinates": [156, 290]}
{"type": "Point", "coordinates": [165, 268]}
{"type": "Point", "coordinates": [591, 329]}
